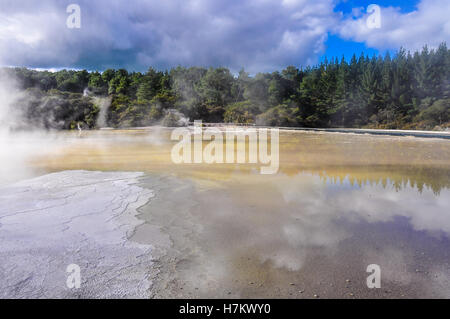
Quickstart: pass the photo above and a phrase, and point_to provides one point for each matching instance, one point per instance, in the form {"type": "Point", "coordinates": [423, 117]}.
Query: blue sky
{"type": "Point", "coordinates": [404, 5]}
{"type": "Point", "coordinates": [336, 46]}
{"type": "Point", "coordinates": [258, 35]}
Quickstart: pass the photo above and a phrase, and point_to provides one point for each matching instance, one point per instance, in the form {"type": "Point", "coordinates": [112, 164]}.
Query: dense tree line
{"type": "Point", "coordinates": [406, 91]}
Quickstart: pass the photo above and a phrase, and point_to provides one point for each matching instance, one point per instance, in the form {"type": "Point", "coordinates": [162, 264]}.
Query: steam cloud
{"type": "Point", "coordinates": [18, 146]}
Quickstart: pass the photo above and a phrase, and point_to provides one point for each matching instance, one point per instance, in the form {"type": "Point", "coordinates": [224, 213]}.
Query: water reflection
{"type": "Point", "coordinates": [396, 177]}
{"type": "Point", "coordinates": [339, 200]}
{"type": "Point", "coordinates": [312, 228]}
{"type": "Point", "coordinates": [322, 177]}
{"type": "Point", "coordinates": [290, 215]}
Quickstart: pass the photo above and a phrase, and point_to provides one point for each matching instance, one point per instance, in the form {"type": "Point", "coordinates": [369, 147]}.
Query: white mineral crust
{"type": "Point", "coordinates": [73, 217]}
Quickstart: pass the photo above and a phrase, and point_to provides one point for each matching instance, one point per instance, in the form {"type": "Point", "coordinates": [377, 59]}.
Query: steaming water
{"type": "Point", "coordinates": [338, 203]}
{"type": "Point", "coordinates": [103, 103]}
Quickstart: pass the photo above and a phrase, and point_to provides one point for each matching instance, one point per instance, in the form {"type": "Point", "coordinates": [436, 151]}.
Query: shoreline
{"type": "Point", "coordinates": [386, 132]}
{"type": "Point", "coordinates": [424, 134]}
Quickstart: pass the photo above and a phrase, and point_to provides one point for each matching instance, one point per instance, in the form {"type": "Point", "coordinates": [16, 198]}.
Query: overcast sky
{"type": "Point", "coordinates": [259, 35]}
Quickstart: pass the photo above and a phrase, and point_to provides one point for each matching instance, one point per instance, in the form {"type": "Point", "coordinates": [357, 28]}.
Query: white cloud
{"type": "Point", "coordinates": [428, 24]}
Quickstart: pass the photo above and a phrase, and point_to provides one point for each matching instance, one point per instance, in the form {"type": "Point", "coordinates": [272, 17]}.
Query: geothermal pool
{"type": "Point", "coordinates": [339, 203]}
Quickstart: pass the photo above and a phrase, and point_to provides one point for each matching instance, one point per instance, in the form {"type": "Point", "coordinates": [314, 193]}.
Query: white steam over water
{"type": "Point", "coordinates": [9, 95]}
{"type": "Point", "coordinates": [12, 151]}
{"type": "Point", "coordinates": [17, 147]}
{"type": "Point", "coordinates": [103, 103]}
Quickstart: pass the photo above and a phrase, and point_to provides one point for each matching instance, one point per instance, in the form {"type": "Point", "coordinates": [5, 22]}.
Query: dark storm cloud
{"type": "Point", "coordinates": [260, 35]}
